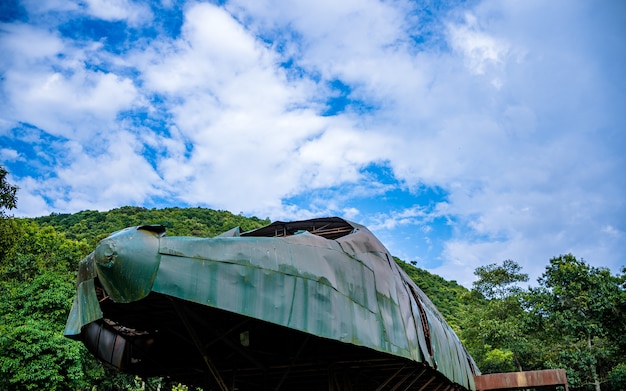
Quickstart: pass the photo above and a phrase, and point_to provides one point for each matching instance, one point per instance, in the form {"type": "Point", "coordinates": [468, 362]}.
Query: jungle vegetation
{"type": "Point", "coordinates": [573, 317]}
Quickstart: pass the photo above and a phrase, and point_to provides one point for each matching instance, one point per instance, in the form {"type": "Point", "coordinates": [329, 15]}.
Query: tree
{"type": "Point", "coordinates": [579, 311]}
{"type": "Point", "coordinates": [8, 229]}
{"type": "Point", "coordinates": [499, 282]}
{"type": "Point", "coordinates": [495, 330]}
{"type": "Point", "coordinates": [8, 193]}
{"type": "Point", "coordinates": [36, 291]}
{"type": "Point", "coordinates": [34, 355]}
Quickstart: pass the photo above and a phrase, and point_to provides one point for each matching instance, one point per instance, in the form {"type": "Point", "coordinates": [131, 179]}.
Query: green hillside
{"type": "Point", "coordinates": [93, 225]}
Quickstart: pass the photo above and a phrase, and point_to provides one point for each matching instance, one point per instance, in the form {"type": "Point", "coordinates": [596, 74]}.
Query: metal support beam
{"type": "Point", "coordinates": [390, 378]}
{"type": "Point", "coordinates": [416, 378]}
{"type": "Point", "coordinates": [196, 340]}
{"type": "Point", "coordinates": [427, 383]}
{"type": "Point", "coordinates": [405, 378]}
{"type": "Point", "coordinates": [293, 361]}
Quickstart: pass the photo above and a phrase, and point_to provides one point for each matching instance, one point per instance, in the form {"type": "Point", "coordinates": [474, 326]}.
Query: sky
{"type": "Point", "coordinates": [461, 133]}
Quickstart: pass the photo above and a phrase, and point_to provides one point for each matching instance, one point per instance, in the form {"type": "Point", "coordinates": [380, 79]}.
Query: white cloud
{"type": "Point", "coordinates": [351, 213]}
{"type": "Point", "coordinates": [30, 196]}
{"type": "Point", "coordinates": [114, 10]}
{"type": "Point", "coordinates": [40, 7]}
{"type": "Point", "coordinates": [414, 215]}
{"type": "Point", "coordinates": [135, 13]}
{"type": "Point", "coordinates": [98, 181]}
{"type": "Point", "coordinates": [24, 45]}
{"type": "Point", "coordinates": [69, 105]}
{"type": "Point", "coordinates": [479, 49]}
{"type": "Point", "coordinates": [9, 154]}
{"type": "Point", "coordinates": [250, 127]}
{"type": "Point", "coordinates": [47, 84]}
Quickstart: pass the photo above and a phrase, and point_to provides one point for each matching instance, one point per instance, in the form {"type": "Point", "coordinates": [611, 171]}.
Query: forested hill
{"type": "Point", "coordinates": [92, 225]}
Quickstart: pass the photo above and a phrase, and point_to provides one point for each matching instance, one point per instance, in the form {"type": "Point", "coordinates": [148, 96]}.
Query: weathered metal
{"type": "Point", "coordinates": [520, 380]}
{"type": "Point", "coordinates": [282, 306]}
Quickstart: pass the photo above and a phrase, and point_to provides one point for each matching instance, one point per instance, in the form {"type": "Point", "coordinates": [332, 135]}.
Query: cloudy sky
{"type": "Point", "coordinates": [462, 133]}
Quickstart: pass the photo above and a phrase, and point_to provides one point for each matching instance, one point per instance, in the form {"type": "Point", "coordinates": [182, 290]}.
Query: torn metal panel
{"type": "Point", "coordinates": [328, 279]}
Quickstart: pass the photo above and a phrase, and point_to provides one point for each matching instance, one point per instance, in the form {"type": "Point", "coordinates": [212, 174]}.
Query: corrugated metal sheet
{"type": "Point", "coordinates": [343, 286]}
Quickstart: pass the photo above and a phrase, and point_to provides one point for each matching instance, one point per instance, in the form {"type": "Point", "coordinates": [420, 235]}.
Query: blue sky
{"type": "Point", "coordinates": [462, 133]}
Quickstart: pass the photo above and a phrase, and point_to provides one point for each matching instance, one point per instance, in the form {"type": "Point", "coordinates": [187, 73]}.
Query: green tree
{"type": "Point", "coordinates": [579, 312]}
{"type": "Point", "coordinates": [34, 355]}
{"type": "Point", "coordinates": [617, 377]}
{"type": "Point", "coordinates": [499, 282]}
{"type": "Point", "coordinates": [8, 193]}
{"type": "Point", "coordinates": [36, 291]}
{"type": "Point", "coordinates": [8, 229]}
{"type": "Point", "coordinates": [495, 330]}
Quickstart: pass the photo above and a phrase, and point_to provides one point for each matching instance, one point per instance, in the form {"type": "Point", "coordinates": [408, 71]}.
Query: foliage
{"type": "Point", "coordinates": [34, 355]}
{"type": "Point", "coordinates": [579, 313]}
{"type": "Point", "coordinates": [574, 319]}
{"type": "Point", "coordinates": [9, 233]}
{"type": "Point", "coordinates": [496, 360]}
{"type": "Point", "coordinates": [499, 282]}
{"type": "Point", "coordinates": [36, 291]}
{"type": "Point", "coordinates": [495, 332]}
{"type": "Point", "coordinates": [41, 249]}
{"type": "Point", "coordinates": [617, 377]}
{"type": "Point", "coordinates": [92, 225]}
{"type": "Point", "coordinates": [8, 229]}
{"type": "Point", "coordinates": [8, 193]}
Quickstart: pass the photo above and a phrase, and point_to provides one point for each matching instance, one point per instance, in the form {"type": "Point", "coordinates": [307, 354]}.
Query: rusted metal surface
{"type": "Point", "coordinates": [520, 380]}
{"type": "Point", "coordinates": [240, 309]}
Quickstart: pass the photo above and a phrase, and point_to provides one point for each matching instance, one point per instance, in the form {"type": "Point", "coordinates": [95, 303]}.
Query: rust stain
{"type": "Point", "coordinates": [517, 380]}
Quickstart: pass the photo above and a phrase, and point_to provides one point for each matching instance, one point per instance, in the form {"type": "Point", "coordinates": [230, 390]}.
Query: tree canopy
{"type": "Point", "coordinates": [8, 229]}
{"type": "Point", "coordinates": [574, 318]}
{"type": "Point", "coordinates": [496, 281]}
{"type": "Point", "coordinates": [580, 311]}
{"type": "Point", "coordinates": [8, 193]}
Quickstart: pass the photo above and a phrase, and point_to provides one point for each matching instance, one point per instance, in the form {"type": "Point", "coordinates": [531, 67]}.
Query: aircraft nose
{"type": "Point", "coordinates": [127, 261]}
